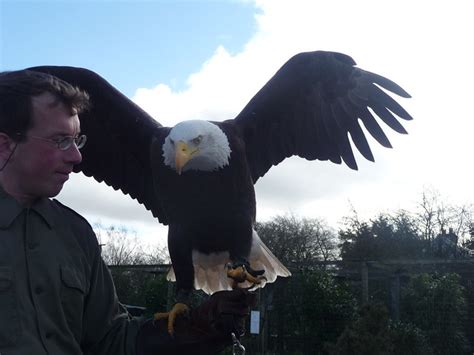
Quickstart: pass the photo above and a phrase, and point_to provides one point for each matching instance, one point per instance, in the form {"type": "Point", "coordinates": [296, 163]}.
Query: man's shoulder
{"type": "Point", "coordinates": [70, 213]}
{"type": "Point", "coordinates": [79, 226]}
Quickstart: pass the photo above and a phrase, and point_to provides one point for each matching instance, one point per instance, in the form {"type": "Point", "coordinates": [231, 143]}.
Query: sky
{"type": "Point", "coordinates": [206, 59]}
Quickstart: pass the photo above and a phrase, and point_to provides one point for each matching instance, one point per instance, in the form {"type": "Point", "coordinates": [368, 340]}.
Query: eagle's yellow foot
{"type": "Point", "coordinates": [240, 274]}
{"type": "Point", "coordinates": [178, 308]}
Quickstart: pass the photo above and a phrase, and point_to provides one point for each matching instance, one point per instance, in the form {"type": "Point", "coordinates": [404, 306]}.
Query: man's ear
{"type": "Point", "coordinates": [6, 146]}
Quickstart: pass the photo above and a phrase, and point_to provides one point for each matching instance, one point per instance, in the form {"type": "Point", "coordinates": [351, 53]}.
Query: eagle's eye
{"type": "Point", "coordinates": [197, 140]}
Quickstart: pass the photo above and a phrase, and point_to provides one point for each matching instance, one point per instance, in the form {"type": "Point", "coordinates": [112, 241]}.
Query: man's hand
{"type": "Point", "coordinates": [225, 312]}
{"type": "Point", "coordinates": [207, 330]}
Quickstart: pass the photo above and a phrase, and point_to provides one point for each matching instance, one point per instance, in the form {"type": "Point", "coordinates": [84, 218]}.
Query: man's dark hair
{"type": "Point", "coordinates": [16, 91]}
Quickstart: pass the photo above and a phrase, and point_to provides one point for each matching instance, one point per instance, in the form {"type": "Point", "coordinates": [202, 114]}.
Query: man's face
{"type": "Point", "coordinates": [38, 168]}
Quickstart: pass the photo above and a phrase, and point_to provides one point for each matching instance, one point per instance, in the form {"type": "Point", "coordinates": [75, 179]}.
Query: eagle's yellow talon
{"type": "Point", "coordinates": [161, 315]}
{"type": "Point", "coordinates": [240, 275]}
{"type": "Point", "coordinates": [178, 308]}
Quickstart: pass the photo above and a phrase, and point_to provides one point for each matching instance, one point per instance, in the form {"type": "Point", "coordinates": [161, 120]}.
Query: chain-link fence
{"type": "Point", "coordinates": [421, 307]}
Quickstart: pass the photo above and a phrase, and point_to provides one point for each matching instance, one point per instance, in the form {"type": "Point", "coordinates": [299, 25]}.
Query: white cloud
{"type": "Point", "coordinates": [425, 48]}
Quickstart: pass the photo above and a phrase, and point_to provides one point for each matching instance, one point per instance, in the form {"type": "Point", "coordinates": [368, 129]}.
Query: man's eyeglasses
{"type": "Point", "coordinates": [63, 143]}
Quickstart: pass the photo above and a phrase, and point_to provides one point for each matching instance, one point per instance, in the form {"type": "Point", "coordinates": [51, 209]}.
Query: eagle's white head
{"type": "Point", "coordinates": [196, 145]}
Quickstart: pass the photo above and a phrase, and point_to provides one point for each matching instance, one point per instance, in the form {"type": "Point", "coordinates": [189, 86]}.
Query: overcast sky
{"type": "Point", "coordinates": [205, 59]}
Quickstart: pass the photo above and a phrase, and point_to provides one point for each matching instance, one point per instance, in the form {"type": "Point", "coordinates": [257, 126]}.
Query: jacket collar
{"type": "Point", "coordinates": [10, 209]}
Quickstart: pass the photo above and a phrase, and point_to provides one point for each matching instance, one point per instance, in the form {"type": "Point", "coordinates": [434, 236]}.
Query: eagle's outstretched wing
{"type": "Point", "coordinates": [309, 107]}
{"type": "Point", "coordinates": [119, 138]}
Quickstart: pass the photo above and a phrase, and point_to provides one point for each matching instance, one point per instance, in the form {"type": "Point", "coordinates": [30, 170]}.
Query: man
{"type": "Point", "coordinates": [56, 293]}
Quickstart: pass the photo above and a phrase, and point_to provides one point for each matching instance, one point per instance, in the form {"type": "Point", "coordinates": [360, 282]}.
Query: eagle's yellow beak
{"type": "Point", "coordinates": [183, 155]}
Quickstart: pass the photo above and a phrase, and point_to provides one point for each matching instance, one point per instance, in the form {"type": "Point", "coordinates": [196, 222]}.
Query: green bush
{"type": "Point", "coordinates": [436, 304]}
{"type": "Point", "coordinates": [407, 339]}
{"type": "Point", "coordinates": [368, 334]}
{"type": "Point", "coordinates": [308, 310]}
{"type": "Point", "coordinates": [373, 333]}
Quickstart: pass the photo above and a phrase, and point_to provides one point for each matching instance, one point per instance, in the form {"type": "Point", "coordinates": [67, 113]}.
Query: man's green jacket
{"type": "Point", "coordinates": [56, 294]}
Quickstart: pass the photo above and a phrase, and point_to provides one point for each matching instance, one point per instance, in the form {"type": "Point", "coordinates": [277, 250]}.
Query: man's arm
{"type": "Point", "coordinates": [108, 328]}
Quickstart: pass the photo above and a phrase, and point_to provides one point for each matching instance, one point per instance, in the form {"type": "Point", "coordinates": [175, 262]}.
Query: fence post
{"type": "Point", "coordinates": [395, 297]}
{"type": "Point", "coordinates": [364, 274]}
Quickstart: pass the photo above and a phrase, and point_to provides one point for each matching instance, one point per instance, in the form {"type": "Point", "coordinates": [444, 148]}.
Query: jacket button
{"type": "Point", "coordinates": [38, 290]}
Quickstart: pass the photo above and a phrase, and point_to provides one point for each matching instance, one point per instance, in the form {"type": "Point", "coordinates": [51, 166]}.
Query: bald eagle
{"type": "Point", "coordinates": [198, 177]}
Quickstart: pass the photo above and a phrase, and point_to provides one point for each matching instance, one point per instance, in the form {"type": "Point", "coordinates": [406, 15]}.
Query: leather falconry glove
{"type": "Point", "coordinates": [207, 330]}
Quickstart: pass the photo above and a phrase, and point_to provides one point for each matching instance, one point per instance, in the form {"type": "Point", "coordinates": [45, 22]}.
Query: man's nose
{"type": "Point", "coordinates": [73, 155]}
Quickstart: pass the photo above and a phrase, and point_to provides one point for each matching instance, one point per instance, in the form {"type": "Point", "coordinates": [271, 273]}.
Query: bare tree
{"type": "Point", "coordinates": [436, 215]}
{"type": "Point", "coordinates": [299, 242]}
{"type": "Point", "coordinates": [121, 246]}
{"type": "Point", "coordinates": [157, 255]}
{"type": "Point", "coordinates": [427, 214]}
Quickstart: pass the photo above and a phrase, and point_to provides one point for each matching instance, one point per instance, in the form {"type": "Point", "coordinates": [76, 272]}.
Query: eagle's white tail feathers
{"type": "Point", "coordinates": [210, 273]}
